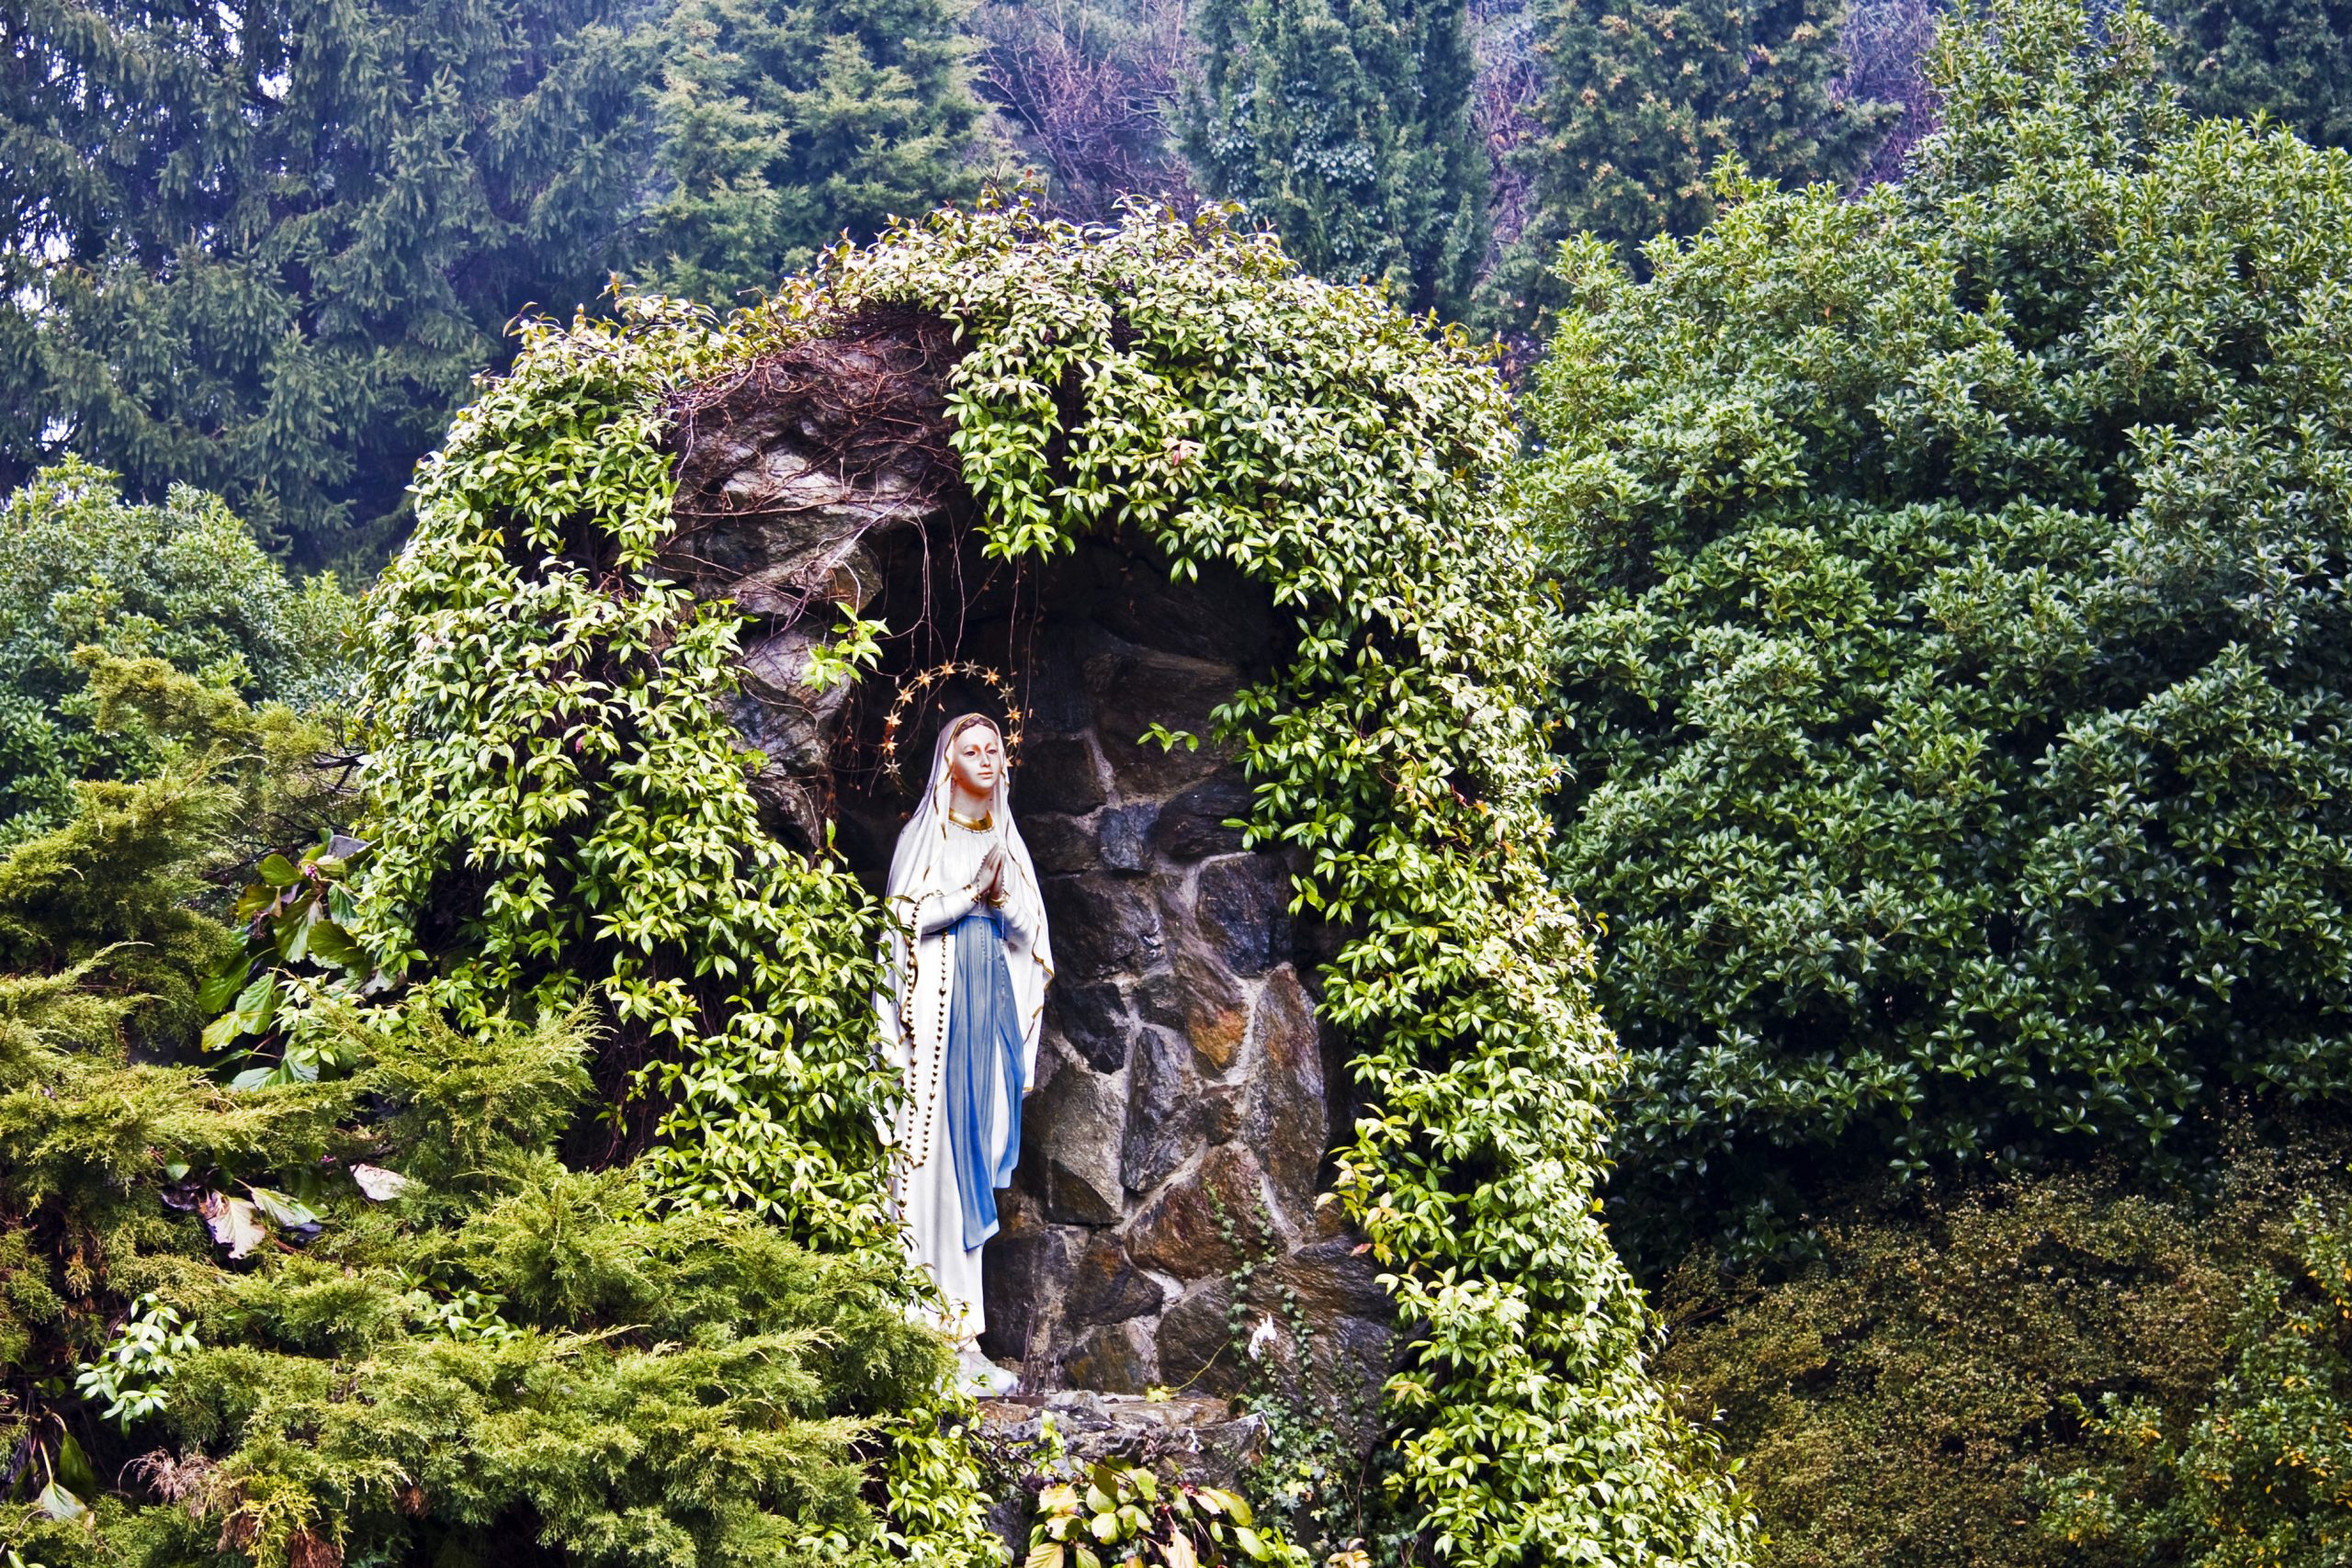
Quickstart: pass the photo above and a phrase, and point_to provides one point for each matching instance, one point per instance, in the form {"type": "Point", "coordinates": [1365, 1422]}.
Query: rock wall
{"type": "Point", "coordinates": [1176, 1141]}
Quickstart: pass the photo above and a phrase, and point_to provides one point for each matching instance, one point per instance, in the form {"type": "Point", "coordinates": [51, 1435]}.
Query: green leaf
{"type": "Point", "coordinates": [60, 1505]}
{"type": "Point", "coordinates": [277, 871]}
{"type": "Point", "coordinates": [294, 933]}
{"type": "Point", "coordinates": [220, 987]}
{"type": "Point", "coordinates": [281, 1210]}
{"type": "Point", "coordinates": [330, 943]}
{"type": "Point", "coordinates": [73, 1467]}
{"type": "Point", "coordinates": [258, 1005]}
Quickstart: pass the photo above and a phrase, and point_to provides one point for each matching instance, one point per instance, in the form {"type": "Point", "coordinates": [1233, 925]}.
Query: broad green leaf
{"type": "Point", "coordinates": [57, 1504]}
{"type": "Point", "coordinates": [280, 1209]}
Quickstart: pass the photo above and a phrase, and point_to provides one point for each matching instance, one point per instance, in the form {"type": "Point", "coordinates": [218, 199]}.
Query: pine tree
{"type": "Point", "coordinates": [1644, 97]}
{"type": "Point", "coordinates": [784, 123]}
{"type": "Point", "coordinates": [1345, 124]}
{"type": "Point", "coordinates": [263, 249]}
{"type": "Point", "coordinates": [2289, 58]}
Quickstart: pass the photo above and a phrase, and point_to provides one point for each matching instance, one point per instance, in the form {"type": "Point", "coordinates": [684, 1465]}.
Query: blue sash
{"type": "Point", "coordinates": [983, 1051]}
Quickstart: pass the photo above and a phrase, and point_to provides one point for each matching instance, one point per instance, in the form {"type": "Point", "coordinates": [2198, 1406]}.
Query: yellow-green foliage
{"type": "Point", "coordinates": [504, 1354]}
{"type": "Point", "coordinates": [508, 1351]}
{"type": "Point", "coordinates": [2262, 1476]}
{"type": "Point", "coordinates": [132, 868]}
{"type": "Point", "coordinates": [1907, 1398]}
{"type": "Point", "coordinates": [562, 815]}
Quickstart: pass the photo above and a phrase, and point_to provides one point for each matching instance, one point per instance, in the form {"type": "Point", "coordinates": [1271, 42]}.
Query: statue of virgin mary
{"type": "Point", "coordinates": [969, 964]}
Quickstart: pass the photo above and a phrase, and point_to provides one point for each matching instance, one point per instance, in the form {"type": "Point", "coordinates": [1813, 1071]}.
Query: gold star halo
{"type": "Point", "coordinates": [922, 681]}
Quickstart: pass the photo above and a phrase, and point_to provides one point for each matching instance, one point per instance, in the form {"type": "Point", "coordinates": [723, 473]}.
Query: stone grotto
{"type": "Point", "coordinates": [1164, 1211]}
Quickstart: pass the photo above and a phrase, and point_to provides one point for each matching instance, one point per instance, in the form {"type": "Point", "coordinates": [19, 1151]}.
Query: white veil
{"type": "Point", "coordinates": [914, 871]}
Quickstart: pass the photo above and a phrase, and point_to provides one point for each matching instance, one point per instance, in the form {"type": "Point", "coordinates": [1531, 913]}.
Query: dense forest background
{"type": "Point", "coordinates": [263, 249]}
{"type": "Point", "coordinates": [1935, 426]}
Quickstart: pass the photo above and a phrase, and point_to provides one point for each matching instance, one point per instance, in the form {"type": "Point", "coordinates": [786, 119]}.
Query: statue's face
{"type": "Point", "coordinates": [975, 760]}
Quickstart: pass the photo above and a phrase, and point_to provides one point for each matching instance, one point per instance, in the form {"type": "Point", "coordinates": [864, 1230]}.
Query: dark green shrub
{"type": "Point", "coordinates": [1955, 710]}
{"type": "Point", "coordinates": [1906, 1399]}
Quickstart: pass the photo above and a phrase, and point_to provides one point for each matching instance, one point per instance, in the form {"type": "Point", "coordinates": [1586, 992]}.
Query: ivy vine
{"type": "Point", "coordinates": [560, 814]}
{"type": "Point", "coordinates": [563, 808]}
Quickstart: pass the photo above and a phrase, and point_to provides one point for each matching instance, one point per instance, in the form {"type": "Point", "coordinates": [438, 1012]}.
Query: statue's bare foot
{"type": "Point", "coordinates": [982, 1378]}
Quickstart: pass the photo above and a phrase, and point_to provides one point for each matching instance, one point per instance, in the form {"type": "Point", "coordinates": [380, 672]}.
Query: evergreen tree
{"type": "Point", "coordinates": [782, 122]}
{"type": "Point", "coordinates": [401, 1329]}
{"type": "Point", "coordinates": [2289, 58]}
{"type": "Point", "coordinates": [1644, 97]}
{"type": "Point", "coordinates": [1346, 125]}
{"type": "Point", "coordinates": [263, 249]}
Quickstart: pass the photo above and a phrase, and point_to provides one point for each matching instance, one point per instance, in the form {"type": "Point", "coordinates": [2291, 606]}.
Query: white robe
{"type": "Point", "coordinates": [930, 891]}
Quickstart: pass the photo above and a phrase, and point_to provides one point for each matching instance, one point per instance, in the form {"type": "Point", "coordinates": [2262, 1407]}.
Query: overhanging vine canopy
{"type": "Point", "coordinates": [554, 764]}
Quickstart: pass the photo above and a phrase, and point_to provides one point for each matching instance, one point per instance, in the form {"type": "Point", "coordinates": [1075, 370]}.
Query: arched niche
{"type": "Point", "coordinates": [1187, 1095]}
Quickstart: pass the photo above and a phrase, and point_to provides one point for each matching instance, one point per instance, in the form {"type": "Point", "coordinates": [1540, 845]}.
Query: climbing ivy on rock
{"type": "Point", "coordinates": [563, 808]}
{"type": "Point", "coordinates": [1189, 384]}
{"type": "Point", "coordinates": [563, 812]}
{"type": "Point", "coordinates": [561, 815]}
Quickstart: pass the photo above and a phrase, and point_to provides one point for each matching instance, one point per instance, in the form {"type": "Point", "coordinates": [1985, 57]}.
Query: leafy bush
{"type": "Point", "coordinates": [1906, 1397]}
{"type": "Point", "coordinates": [2257, 1476]}
{"type": "Point", "coordinates": [1954, 701]}
{"type": "Point", "coordinates": [402, 1327]}
{"type": "Point", "coordinates": [184, 582]}
{"type": "Point", "coordinates": [1121, 1514]}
